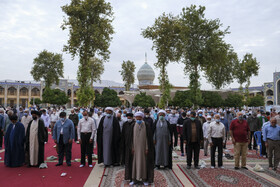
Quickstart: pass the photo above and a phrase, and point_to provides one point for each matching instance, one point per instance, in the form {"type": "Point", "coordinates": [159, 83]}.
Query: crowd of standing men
{"type": "Point", "coordinates": [140, 139]}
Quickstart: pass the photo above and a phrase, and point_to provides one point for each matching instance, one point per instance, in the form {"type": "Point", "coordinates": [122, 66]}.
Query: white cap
{"type": "Point", "coordinates": [137, 114]}
{"type": "Point", "coordinates": [109, 108]}
{"type": "Point", "coordinates": [162, 111]}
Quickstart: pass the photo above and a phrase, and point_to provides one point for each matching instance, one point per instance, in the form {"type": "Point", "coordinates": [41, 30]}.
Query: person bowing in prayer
{"type": "Point", "coordinates": [35, 140]}
{"type": "Point", "coordinates": [14, 143]}
{"type": "Point", "coordinates": [108, 139]}
{"type": "Point", "coordinates": [162, 141]}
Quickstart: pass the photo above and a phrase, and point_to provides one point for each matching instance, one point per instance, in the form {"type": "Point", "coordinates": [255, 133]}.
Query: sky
{"type": "Point", "coordinates": [30, 26]}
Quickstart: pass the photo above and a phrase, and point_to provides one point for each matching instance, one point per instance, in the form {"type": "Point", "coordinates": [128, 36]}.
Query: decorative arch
{"type": "Point", "coordinates": [2, 90]}
{"type": "Point", "coordinates": [23, 91]}
{"type": "Point", "coordinates": [269, 103]}
{"type": "Point", "coordinates": [121, 93]}
{"type": "Point", "coordinates": [269, 92]}
{"type": "Point", "coordinates": [69, 92]}
{"type": "Point", "coordinates": [35, 92]}
{"type": "Point", "coordinates": [12, 91]}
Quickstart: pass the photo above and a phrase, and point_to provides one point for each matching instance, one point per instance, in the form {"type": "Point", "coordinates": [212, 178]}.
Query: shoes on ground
{"type": "Point", "coordinates": [182, 154]}
{"type": "Point", "coordinates": [82, 165]}
{"type": "Point", "coordinates": [212, 167]}
{"type": "Point", "coordinates": [236, 168]}
{"type": "Point", "coordinates": [222, 167]}
{"type": "Point", "coordinates": [188, 167]}
{"type": "Point", "coordinates": [59, 164]}
{"type": "Point", "coordinates": [69, 164]}
{"type": "Point", "coordinates": [90, 166]}
{"type": "Point", "coordinates": [244, 168]}
{"type": "Point", "coordinates": [197, 167]}
{"type": "Point", "coordinates": [131, 183]}
{"type": "Point", "coordinates": [146, 183]}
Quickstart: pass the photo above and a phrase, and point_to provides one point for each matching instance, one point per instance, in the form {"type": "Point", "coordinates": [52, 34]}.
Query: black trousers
{"type": "Point", "coordinates": [76, 134]}
{"type": "Point", "coordinates": [1, 138]}
{"type": "Point", "coordinates": [47, 133]}
{"type": "Point", "coordinates": [64, 148]}
{"type": "Point", "coordinates": [182, 145]}
{"type": "Point", "coordinates": [175, 133]}
{"type": "Point", "coordinates": [255, 143]}
{"type": "Point", "coordinates": [225, 146]}
{"type": "Point", "coordinates": [86, 148]}
{"type": "Point", "coordinates": [193, 147]}
{"type": "Point", "coordinates": [217, 142]}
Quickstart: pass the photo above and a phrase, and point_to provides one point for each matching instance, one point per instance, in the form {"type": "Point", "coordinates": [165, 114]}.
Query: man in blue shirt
{"type": "Point", "coordinates": [271, 137]}
{"type": "Point", "coordinates": [63, 135]}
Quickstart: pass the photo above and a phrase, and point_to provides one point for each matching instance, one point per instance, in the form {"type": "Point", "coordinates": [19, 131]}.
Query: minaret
{"type": "Point", "coordinates": [145, 58]}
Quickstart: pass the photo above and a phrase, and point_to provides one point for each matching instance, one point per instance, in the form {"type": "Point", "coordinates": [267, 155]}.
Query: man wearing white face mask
{"type": "Point", "coordinates": [63, 135]}
{"type": "Point", "coordinates": [205, 129]}
{"type": "Point", "coordinates": [86, 131]}
{"type": "Point", "coordinates": [108, 139]}
{"type": "Point", "coordinates": [216, 138]}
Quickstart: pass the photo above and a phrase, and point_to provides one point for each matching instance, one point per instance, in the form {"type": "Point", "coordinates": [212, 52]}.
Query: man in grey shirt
{"type": "Point", "coordinates": [254, 125]}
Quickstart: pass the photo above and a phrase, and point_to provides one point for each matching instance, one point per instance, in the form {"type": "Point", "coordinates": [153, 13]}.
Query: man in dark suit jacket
{"type": "Point", "coordinates": [193, 135]}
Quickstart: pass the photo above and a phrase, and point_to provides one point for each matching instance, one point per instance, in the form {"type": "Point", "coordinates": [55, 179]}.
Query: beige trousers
{"type": "Point", "coordinates": [240, 148]}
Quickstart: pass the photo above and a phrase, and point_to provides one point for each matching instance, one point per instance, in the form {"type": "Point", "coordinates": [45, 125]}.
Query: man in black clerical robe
{"type": "Point", "coordinates": [14, 143]}
{"type": "Point", "coordinates": [35, 141]}
{"type": "Point", "coordinates": [108, 139]}
{"type": "Point", "coordinates": [125, 134]}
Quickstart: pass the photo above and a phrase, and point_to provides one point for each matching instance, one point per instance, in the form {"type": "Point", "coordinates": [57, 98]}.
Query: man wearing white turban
{"type": "Point", "coordinates": [139, 165]}
{"type": "Point", "coordinates": [162, 141]}
{"type": "Point", "coordinates": [108, 139]}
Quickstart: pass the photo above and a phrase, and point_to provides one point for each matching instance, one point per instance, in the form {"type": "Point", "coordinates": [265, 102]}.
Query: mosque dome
{"type": "Point", "coordinates": [146, 75]}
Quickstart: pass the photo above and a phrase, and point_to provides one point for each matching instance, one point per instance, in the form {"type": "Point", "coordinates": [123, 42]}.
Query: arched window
{"type": "Point", "coordinates": [35, 92]}
{"type": "Point", "coordinates": [23, 92]}
{"type": "Point", "coordinates": [269, 92]}
{"type": "Point", "coordinates": [12, 91]}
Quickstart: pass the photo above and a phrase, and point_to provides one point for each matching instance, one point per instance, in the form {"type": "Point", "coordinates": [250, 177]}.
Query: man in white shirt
{"type": "Point", "coordinates": [53, 118]}
{"type": "Point", "coordinates": [205, 128]}
{"type": "Point", "coordinates": [86, 131]}
{"type": "Point", "coordinates": [217, 138]}
{"type": "Point", "coordinates": [45, 117]}
{"type": "Point", "coordinates": [26, 119]}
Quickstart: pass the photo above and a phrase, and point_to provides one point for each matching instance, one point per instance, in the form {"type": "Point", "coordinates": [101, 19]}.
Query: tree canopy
{"type": "Point", "coordinates": [47, 66]}
{"type": "Point", "coordinates": [234, 100]}
{"type": "Point", "coordinates": [55, 97]}
{"type": "Point", "coordinates": [127, 72]}
{"type": "Point", "coordinates": [256, 101]}
{"type": "Point", "coordinates": [90, 29]}
{"type": "Point", "coordinates": [108, 97]}
{"type": "Point", "coordinates": [164, 34]}
{"type": "Point", "coordinates": [143, 100]}
{"type": "Point", "coordinates": [182, 99]}
{"type": "Point", "coordinates": [211, 99]}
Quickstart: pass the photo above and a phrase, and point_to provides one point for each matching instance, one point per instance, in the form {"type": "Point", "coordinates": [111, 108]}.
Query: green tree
{"type": "Point", "coordinates": [256, 101]}
{"type": "Point", "coordinates": [182, 99]}
{"type": "Point", "coordinates": [212, 99]}
{"type": "Point", "coordinates": [127, 72]}
{"type": "Point", "coordinates": [97, 69]}
{"type": "Point", "coordinates": [245, 70]}
{"type": "Point", "coordinates": [203, 50]}
{"type": "Point", "coordinates": [90, 29]}
{"type": "Point", "coordinates": [55, 97]}
{"type": "Point", "coordinates": [47, 66]}
{"type": "Point", "coordinates": [108, 97]}
{"type": "Point", "coordinates": [35, 101]}
{"type": "Point", "coordinates": [143, 100]}
{"type": "Point", "coordinates": [164, 34]}
{"type": "Point", "coordinates": [234, 100]}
